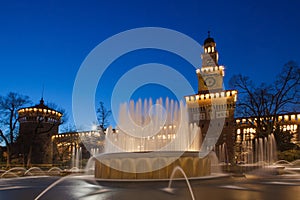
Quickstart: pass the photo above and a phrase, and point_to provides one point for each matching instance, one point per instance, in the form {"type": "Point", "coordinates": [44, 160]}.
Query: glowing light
{"type": "Point", "coordinates": [235, 98]}
{"type": "Point", "coordinates": [286, 117]}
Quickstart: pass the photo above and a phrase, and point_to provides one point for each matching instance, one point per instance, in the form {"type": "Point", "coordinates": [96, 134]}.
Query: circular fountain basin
{"type": "Point", "coordinates": [150, 165]}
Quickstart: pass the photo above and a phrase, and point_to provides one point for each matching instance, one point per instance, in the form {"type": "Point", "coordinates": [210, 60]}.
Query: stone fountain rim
{"type": "Point", "coordinates": [199, 178]}
{"type": "Point", "coordinates": [149, 154]}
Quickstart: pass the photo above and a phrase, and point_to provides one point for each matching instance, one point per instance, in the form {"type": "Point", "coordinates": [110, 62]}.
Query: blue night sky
{"type": "Point", "coordinates": [45, 42]}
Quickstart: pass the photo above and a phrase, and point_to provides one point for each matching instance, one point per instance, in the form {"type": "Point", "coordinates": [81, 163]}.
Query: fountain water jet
{"type": "Point", "coordinates": [169, 189]}
{"type": "Point", "coordinates": [76, 158]}
{"type": "Point", "coordinates": [150, 142]}
{"type": "Point", "coordinates": [260, 151]}
{"type": "Point", "coordinates": [14, 172]}
{"type": "Point", "coordinates": [33, 171]}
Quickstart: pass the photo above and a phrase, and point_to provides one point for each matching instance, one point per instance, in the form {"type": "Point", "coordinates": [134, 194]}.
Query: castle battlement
{"type": "Point", "coordinates": [211, 69]}
{"type": "Point", "coordinates": [216, 95]}
{"type": "Point", "coordinates": [39, 111]}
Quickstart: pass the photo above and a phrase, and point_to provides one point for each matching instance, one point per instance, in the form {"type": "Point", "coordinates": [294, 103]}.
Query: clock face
{"type": "Point", "coordinates": [209, 61]}
{"type": "Point", "coordinates": [210, 81]}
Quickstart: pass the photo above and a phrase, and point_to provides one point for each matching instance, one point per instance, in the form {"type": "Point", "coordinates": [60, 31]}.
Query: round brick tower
{"type": "Point", "coordinates": [37, 125]}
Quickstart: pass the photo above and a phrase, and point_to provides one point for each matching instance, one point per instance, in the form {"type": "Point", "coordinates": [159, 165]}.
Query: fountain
{"type": "Point", "coordinates": [150, 145]}
{"type": "Point", "coordinates": [260, 151]}
{"type": "Point", "coordinates": [13, 172]}
{"type": "Point", "coordinates": [266, 149]}
{"type": "Point", "coordinates": [76, 158]}
{"type": "Point", "coordinates": [222, 153]}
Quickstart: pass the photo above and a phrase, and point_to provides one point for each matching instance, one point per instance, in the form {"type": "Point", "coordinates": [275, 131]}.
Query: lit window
{"type": "Point", "coordinates": [208, 49]}
{"type": "Point", "coordinates": [286, 117]}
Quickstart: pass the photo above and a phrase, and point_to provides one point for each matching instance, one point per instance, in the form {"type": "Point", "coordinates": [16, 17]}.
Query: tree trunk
{"type": "Point", "coordinates": [8, 157]}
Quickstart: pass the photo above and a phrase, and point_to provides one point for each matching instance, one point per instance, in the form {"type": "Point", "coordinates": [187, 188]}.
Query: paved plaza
{"type": "Point", "coordinates": [86, 188]}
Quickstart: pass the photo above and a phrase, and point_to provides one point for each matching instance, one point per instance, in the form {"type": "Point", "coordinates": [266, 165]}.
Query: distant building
{"type": "Point", "coordinates": [71, 146]}
{"type": "Point", "coordinates": [245, 133]}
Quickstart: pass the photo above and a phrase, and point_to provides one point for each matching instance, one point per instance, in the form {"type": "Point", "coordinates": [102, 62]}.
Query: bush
{"type": "Point", "coordinates": [289, 155]}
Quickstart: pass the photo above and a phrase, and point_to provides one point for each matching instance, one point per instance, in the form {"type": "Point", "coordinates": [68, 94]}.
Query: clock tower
{"type": "Point", "coordinates": [212, 108]}
{"type": "Point", "coordinates": [211, 72]}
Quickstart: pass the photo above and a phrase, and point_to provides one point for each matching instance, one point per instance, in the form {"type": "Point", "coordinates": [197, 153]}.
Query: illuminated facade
{"type": "Point", "coordinates": [212, 108]}
{"type": "Point", "coordinates": [68, 146]}
{"type": "Point", "coordinates": [37, 125]}
{"type": "Point", "coordinates": [245, 131]}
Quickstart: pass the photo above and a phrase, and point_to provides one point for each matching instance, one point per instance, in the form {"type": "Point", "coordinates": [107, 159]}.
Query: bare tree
{"type": "Point", "coordinates": [54, 106]}
{"type": "Point", "coordinates": [9, 105]}
{"type": "Point", "coordinates": [103, 114]}
{"type": "Point", "coordinates": [265, 102]}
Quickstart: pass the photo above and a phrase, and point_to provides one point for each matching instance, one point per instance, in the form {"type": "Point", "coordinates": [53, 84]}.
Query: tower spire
{"type": "Point", "coordinates": [208, 34]}
{"type": "Point", "coordinates": [42, 99]}
{"type": "Point", "coordinates": [43, 91]}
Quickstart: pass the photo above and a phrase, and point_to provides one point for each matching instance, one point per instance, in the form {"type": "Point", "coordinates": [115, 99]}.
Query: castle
{"type": "Point", "coordinates": [211, 108]}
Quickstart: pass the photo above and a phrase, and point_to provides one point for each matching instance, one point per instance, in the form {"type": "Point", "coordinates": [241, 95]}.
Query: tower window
{"type": "Point", "coordinates": [208, 49]}
{"type": "Point", "coordinates": [205, 50]}
{"type": "Point", "coordinates": [212, 49]}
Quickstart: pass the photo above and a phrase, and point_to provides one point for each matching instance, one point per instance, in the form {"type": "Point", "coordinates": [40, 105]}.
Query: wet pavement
{"type": "Point", "coordinates": [86, 188]}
